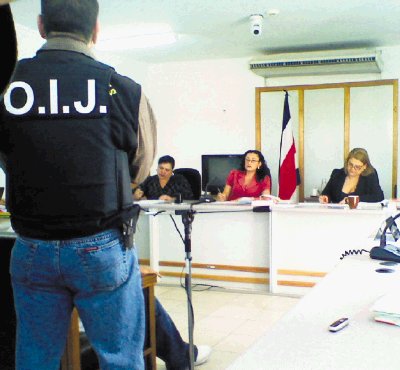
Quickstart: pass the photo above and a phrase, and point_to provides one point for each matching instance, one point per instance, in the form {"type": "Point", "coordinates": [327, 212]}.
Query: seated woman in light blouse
{"type": "Point", "coordinates": [357, 177]}
{"type": "Point", "coordinates": [252, 179]}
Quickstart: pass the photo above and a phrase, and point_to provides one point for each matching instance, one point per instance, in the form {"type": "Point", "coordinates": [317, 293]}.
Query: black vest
{"type": "Point", "coordinates": [65, 176]}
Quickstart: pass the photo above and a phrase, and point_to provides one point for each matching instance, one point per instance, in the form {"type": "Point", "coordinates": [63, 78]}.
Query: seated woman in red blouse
{"type": "Point", "coordinates": [252, 179]}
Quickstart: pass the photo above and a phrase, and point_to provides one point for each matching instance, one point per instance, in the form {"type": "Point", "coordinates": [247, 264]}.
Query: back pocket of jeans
{"type": "Point", "coordinates": [22, 257]}
{"type": "Point", "coordinates": [106, 265]}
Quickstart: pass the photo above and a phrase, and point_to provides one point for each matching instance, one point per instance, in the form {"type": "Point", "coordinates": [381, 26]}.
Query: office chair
{"type": "Point", "coordinates": [193, 177]}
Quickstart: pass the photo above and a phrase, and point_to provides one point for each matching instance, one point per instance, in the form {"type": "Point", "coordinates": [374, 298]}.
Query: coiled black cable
{"type": "Point", "coordinates": [353, 252]}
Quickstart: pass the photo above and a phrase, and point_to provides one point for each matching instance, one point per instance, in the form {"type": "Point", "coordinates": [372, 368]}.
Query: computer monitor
{"type": "Point", "coordinates": [215, 169]}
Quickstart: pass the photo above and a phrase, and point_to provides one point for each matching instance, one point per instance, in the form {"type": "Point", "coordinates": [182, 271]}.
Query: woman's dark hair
{"type": "Point", "coordinates": [72, 16]}
{"type": "Point", "coordinates": [167, 159]}
{"type": "Point", "coordinates": [261, 172]}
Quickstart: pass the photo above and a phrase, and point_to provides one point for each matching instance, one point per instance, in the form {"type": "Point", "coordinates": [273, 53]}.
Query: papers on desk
{"type": "Point", "coordinates": [337, 206]}
{"type": "Point", "coordinates": [5, 223]}
{"type": "Point", "coordinates": [244, 200]}
{"type": "Point", "coordinates": [262, 202]}
{"type": "Point", "coordinates": [313, 205]}
{"type": "Point", "coordinates": [237, 202]}
{"type": "Point", "coordinates": [247, 201]}
{"type": "Point", "coordinates": [3, 212]}
{"type": "Point", "coordinates": [387, 309]}
{"type": "Point", "coordinates": [147, 203]}
{"type": "Point", "coordinates": [374, 205]}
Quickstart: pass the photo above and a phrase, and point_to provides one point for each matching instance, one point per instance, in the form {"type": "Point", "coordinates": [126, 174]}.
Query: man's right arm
{"type": "Point", "coordinates": [147, 141]}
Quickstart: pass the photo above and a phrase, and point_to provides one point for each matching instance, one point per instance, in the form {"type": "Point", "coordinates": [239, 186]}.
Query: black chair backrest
{"type": "Point", "coordinates": [193, 177]}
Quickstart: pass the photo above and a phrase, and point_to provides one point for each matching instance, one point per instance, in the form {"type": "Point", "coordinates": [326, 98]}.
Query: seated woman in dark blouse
{"type": "Point", "coordinates": [165, 185]}
{"type": "Point", "coordinates": [358, 177]}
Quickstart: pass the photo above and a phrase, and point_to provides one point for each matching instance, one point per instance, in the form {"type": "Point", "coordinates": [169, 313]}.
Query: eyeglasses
{"type": "Point", "coordinates": [356, 167]}
{"type": "Point", "coordinates": [251, 160]}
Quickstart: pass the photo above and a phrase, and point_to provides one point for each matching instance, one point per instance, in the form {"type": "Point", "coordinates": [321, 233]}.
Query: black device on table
{"type": "Point", "coordinates": [387, 252]}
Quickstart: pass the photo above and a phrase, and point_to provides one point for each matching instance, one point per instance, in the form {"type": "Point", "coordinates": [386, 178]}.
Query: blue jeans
{"type": "Point", "coordinates": [171, 348]}
{"type": "Point", "coordinates": [98, 276]}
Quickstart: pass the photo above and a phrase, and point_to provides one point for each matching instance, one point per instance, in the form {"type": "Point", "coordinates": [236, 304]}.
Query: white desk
{"type": "Point", "coordinates": [293, 246]}
{"type": "Point", "coordinates": [286, 251]}
{"type": "Point", "coordinates": [309, 239]}
{"type": "Point", "coordinates": [301, 340]}
{"type": "Point", "coordinates": [229, 244]}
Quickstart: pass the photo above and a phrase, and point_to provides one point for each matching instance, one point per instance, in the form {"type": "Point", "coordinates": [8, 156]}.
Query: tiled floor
{"type": "Point", "coordinates": [228, 321]}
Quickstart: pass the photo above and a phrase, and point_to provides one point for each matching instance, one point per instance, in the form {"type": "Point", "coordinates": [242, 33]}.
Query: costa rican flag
{"type": "Point", "coordinates": [289, 176]}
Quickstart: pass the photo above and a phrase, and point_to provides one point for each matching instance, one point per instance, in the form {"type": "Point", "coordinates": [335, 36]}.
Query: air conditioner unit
{"type": "Point", "coordinates": [319, 63]}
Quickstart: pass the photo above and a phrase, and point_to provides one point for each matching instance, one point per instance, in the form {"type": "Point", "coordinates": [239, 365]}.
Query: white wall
{"type": "Point", "coordinates": [125, 66]}
{"type": "Point", "coordinates": [203, 107]}
{"type": "Point", "coordinates": [208, 106]}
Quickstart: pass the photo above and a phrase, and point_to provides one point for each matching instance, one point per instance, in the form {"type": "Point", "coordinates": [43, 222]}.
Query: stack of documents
{"type": "Point", "coordinates": [267, 200]}
{"type": "Point", "coordinates": [243, 200]}
{"type": "Point", "coordinates": [149, 202]}
{"type": "Point", "coordinates": [262, 202]}
{"type": "Point", "coordinates": [4, 219]}
{"type": "Point", "coordinates": [373, 205]}
{"type": "Point", "coordinates": [387, 309]}
{"type": "Point", "coordinates": [3, 212]}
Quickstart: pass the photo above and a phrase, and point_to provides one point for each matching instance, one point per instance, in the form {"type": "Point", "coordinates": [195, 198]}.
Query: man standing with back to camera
{"type": "Point", "coordinates": [73, 133]}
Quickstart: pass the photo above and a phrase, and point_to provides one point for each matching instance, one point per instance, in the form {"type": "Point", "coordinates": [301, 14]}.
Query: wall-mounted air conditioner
{"type": "Point", "coordinates": [319, 63]}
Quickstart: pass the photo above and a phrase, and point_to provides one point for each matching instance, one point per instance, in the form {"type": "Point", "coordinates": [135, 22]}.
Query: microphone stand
{"type": "Point", "coordinates": [187, 219]}
{"type": "Point", "coordinates": [390, 222]}
{"type": "Point", "coordinates": [205, 198]}
{"type": "Point", "coordinates": [386, 252]}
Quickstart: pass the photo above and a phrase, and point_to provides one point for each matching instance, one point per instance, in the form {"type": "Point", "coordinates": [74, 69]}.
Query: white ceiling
{"type": "Point", "coordinates": [209, 29]}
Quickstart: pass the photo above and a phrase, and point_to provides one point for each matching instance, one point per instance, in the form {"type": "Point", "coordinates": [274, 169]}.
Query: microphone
{"type": "Point", "coordinates": [387, 252]}
{"type": "Point", "coordinates": [205, 198]}
{"type": "Point", "coordinates": [392, 226]}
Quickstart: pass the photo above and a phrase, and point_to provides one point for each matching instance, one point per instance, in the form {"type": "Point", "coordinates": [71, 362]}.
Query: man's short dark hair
{"type": "Point", "coordinates": [167, 159]}
{"type": "Point", "coordinates": [72, 16]}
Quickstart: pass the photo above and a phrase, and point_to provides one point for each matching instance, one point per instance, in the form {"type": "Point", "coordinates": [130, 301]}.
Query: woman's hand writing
{"type": "Point", "coordinates": [221, 197]}
{"type": "Point", "coordinates": [323, 199]}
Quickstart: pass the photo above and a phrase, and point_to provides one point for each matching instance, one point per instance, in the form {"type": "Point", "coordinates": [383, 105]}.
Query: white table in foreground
{"type": "Point", "coordinates": [301, 340]}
